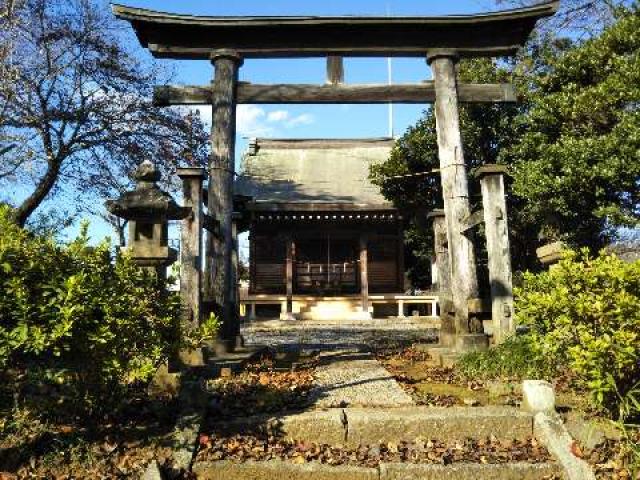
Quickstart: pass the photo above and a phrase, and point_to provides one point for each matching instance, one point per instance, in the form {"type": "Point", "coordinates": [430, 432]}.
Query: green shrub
{"type": "Point", "coordinates": [95, 321]}
{"type": "Point", "coordinates": [514, 359]}
{"type": "Point", "coordinates": [585, 314]}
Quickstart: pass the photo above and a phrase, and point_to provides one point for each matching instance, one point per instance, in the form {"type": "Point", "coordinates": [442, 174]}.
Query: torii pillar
{"type": "Point", "coordinates": [220, 284]}
{"type": "Point", "coordinates": [498, 248]}
{"type": "Point", "coordinates": [455, 191]}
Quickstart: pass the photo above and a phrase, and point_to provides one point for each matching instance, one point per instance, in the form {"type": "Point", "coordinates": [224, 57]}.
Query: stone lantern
{"type": "Point", "coordinates": [148, 210]}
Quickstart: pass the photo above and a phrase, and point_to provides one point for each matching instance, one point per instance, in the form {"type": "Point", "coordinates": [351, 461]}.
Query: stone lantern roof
{"type": "Point", "coordinates": [148, 201]}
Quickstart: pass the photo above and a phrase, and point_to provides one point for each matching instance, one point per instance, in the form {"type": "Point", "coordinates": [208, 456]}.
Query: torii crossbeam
{"type": "Point", "coordinates": [226, 41]}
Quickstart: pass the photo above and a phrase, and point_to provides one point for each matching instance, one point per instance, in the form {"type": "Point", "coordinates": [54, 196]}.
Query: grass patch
{"type": "Point", "coordinates": [513, 360]}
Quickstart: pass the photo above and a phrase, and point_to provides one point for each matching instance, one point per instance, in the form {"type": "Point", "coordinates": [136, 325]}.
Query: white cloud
{"type": "Point", "coordinates": [250, 122]}
{"type": "Point", "coordinates": [277, 116]}
{"type": "Point", "coordinates": [303, 119]}
{"type": "Point", "coordinates": [254, 121]}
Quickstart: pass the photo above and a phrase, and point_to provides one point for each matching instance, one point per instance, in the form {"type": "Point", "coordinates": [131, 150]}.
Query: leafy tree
{"type": "Point", "coordinates": [572, 144]}
{"type": "Point", "coordinates": [79, 114]}
{"type": "Point", "coordinates": [577, 159]}
{"type": "Point", "coordinates": [584, 315]}
{"type": "Point", "coordinates": [100, 322]}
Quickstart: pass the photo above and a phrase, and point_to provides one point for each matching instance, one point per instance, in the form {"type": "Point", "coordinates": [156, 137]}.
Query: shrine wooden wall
{"type": "Point", "coordinates": [268, 264]}
{"type": "Point", "coordinates": [268, 257]}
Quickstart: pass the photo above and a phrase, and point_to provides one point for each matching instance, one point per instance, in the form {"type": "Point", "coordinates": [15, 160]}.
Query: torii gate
{"type": "Point", "coordinates": [226, 41]}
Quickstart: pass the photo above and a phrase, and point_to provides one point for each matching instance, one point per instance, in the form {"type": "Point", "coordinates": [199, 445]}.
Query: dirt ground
{"type": "Point", "coordinates": [430, 385]}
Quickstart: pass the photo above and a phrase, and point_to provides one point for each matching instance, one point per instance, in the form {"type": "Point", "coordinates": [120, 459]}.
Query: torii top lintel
{"type": "Point", "coordinates": [168, 35]}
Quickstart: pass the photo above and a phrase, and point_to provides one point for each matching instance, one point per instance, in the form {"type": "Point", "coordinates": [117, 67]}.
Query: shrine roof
{"type": "Point", "coordinates": [169, 35]}
{"type": "Point", "coordinates": [313, 171]}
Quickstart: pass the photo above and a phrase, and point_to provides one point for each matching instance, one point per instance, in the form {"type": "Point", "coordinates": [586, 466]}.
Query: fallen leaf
{"type": "Point", "coordinates": [203, 440]}
{"type": "Point", "coordinates": [576, 450]}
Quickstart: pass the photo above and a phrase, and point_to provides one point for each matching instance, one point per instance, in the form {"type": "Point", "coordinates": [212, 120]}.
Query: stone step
{"type": "Point", "coordinates": [232, 362]}
{"type": "Point", "coordinates": [331, 309]}
{"type": "Point", "coordinates": [440, 356]}
{"type": "Point", "coordinates": [355, 426]}
{"type": "Point", "coordinates": [280, 470]}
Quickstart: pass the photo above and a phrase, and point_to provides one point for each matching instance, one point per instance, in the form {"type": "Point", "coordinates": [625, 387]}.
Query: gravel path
{"type": "Point", "coordinates": [347, 378]}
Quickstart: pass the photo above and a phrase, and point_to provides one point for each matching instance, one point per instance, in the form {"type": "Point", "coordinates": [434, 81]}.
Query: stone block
{"type": "Point", "coordinates": [183, 440]}
{"type": "Point", "coordinates": [538, 396]}
{"type": "Point", "coordinates": [590, 433]}
{"type": "Point", "coordinates": [317, 426]}
{"type": "Point", "coordinates": [472, 342]}
{"type": "Point", "coordinates": [279, 470]}
{"type": "Point", "coordinates": [192, 357]}
{"type": "Point", "coordinates": [479, 305]}
{"type": "Point", "coordinates": [435, 352]}
{"type": "Point", "coordinates": [467, 471]}
{"type": "Point", "coordinates": [550, 253]}
{"type": "Point", "coordinates": [367, 426]}
{"type": "Point", "coordinates": [164, 383]}
{"type": "Point", "coordinates": [551, 432]}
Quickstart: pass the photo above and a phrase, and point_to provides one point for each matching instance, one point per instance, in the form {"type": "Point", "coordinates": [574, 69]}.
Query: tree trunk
{"type": "Point", "coordinates": [22, 213]}
{"type": "Point", "coordinates": [120, 227]}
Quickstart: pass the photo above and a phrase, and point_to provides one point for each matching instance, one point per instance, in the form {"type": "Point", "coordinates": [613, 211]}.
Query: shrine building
{"type": "Point", "coordinates": [319, 230]}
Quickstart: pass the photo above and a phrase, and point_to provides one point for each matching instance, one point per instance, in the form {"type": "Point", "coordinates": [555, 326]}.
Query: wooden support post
{"type": "Point", "coordinates": [364, 274]}
{"type": "Point", "coordinates": [234, 262]}
{"type": "Point", "coordinates": [252, 311]}
{"type": "Point", "coordinates": [287, 312]}
{"type": "Point", "coordinates": [498, 249]}
{"type": "Point", "coordinates": [455, 188]}
{"type": "Point", "coordinates": [400, 308]}
{"type": "Point", "coordinates": [443, 274]}
{"type": "Point", "coordinates": [191, 258]}
{"type": "Point", "coordinates": [220, 193]}
{"type": "Point", "coordinates": [335, 70]}
{"type": "Point", "coordinates": [441, 250]}
{"type": "Point", "coordinates": [191, 246]}
{"type": "Point", "coordinates": [434, 308]}
{"type": "Point", "coordinates": [235, 293]}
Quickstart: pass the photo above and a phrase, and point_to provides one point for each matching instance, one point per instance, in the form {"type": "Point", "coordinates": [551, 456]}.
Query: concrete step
{"type": "Point", "coordinates": [355, 426]}
{"type": "Point", "coordinates": [331, 312]}
{"type": "Point", "coordinates": [280, 470]}
{"type": "Point", "coordinates": [330, 309]}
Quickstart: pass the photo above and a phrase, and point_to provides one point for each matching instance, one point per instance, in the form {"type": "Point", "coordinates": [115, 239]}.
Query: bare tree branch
{"type": "Point", "coordinates": [78, 104]}
{"type": "Point", "coordinates": [576, 18]}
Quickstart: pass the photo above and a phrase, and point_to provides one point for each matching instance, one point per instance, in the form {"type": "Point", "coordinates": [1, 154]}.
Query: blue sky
{"type": "Point", "coordinates": [300, 121]}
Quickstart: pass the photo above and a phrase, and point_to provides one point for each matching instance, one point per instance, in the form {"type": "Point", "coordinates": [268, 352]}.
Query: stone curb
{"type": "Point", "coordinates": [353, 426]}
{"type": "Point", "coordinates": [467, 471]}
{"type": "Point", "coordinates": [280, 470]}
{"type": "Point", "coordinates": [184, 439]}
{"type": "Point", "coordinates": [447, 424]}
{"type": "Point", "coordinates": [322, 426]}
{"type": "Point", "coordinates": [551, 432]}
